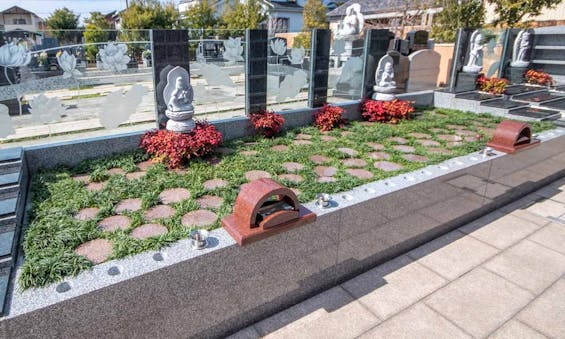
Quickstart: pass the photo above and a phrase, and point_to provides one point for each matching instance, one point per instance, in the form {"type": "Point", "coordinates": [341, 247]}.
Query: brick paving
{"type": "Point", "coordinates": [500, 276]}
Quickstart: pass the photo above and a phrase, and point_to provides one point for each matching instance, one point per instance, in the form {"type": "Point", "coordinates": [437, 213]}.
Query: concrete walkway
{"type": "Point", "coordinates": [501, 276]}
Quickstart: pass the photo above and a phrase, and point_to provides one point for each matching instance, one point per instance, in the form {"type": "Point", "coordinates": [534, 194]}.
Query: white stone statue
{"type": "Point", "coordinates": [353, 22]}
{"type": "Point", "coordinates": [178, 95]}
{"type": "Point", "coordinates": [522, 46]}
{"type": "Point", "coordinates": [475, 61]}
{"type": "Point", "coordinates": [384, 80]}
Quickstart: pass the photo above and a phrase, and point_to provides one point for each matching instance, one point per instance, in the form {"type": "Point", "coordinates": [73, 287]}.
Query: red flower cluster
{"type": "Point", "coordinates": [386, 111]}
{"type": "Point", "coordinates": [492, 85]}
{"type": "Point", "coordinates": [328, 117]}
{"type": "Point", "coordinates": [173, 149]}
{"type": "Point", "coordinates": [538, 77]}
{"type": "Point", "coordinates": [266, 122]}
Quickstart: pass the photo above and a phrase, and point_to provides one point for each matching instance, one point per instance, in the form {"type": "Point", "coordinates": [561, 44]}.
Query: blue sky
{"type": "Point", "coordinates": [83, 7]}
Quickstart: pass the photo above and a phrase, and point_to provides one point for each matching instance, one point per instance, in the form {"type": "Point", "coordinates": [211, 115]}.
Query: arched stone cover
{"type": "Point", "coordinates": [511, 136]}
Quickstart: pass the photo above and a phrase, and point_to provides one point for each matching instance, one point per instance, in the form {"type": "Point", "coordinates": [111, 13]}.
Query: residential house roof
{"type": "Point", "coordinates": [18, 10]}
{"type": "Point", "coordinates": [380, 6]}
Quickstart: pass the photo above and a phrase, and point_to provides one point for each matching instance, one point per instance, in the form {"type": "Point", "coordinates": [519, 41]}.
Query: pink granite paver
{"type": "Point", "coordinates": [135, 175]}
{"type": "Point", "coordinates": [280, 148]}
{"type": "Point", "coordinates": [159, 212]}
{"type": "Point", "coordinates": [148, 231]}
{"type": "Point", "coordinates": [84, 179]}
{"type": "Point", "coordinates": [128, 205]}
{"type": "Point", "coordinates": [415, 158]}
{"type": "Point", "coordinates": [116, 171]}
{"type": "Point", "coordinates": [428, 143]}
{"type": "Point", "coordinates": [449, 137]}
{"type": "Point", "coordinates": [421, 135]}
{"type": "Point", "coordinates": [254, 175]}
{"type": "Point", "coordinates": [387, 166]}
{"type": "Point", "coordinates": [295, 178]}
{"type": "Point", "coordinates": [438, 150]}
{"type": "Point", "coordinates": [325, 171]}
{"type": "Point", "coordinates": [348, 151]}
{"type": "Point", "coordinates": [354, 162]}
{"type": "Point", "coordinates": [199, 218]}
{"type": "Point", "coordinates": [210, 201]}
{"type": "Point", "coordinates": [215, 183]}
{"type": "Point", "coordinates": [292, 166]}
{"type": "Point", "coordinates": [96, 251]}
{"type": "Point", "coordinates": [116, 222]}
{"type": "Point", "coordinates": [96, 186]}
{"type": "Point", "coordinates": [326, 179]}
{"type": "Point", "coordinates": [346, 133]}
{"type": "Point", "coordinates": [302, 142]}
{"type": "Point", "coordinates": [328, 138]}
{"type": "Point", "coordinates": [404, 148]}
{"type": "Point", "coordinates": [454, 143]}
{"type": "Point", "coordinates": [86, 214]}
{"type": "Point", "coordinates": [375, 146]}
{"type": "Point", "coordinates": [302, 136]}
{"type": "Point", "coordinates": [379, 155]}
{"type": "Point", "coordinates": [144, 165]}
{"type": "Point", "coordinates": [359, 173]}
{"type": "Point", "coordinates": [319, 159]}
{"type": "Point", "coordinates": [249, 153]}
{"type": "Point", "coordinates": [398, 140]}
{"type": "Point", "coordinates": [174, 195]}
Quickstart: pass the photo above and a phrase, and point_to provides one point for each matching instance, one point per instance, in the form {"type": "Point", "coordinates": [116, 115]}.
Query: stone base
{"type": "Point", "coordinates": [516, 74]}
{"type": "Point", "coordinates": [465, 82]}
{"type": "Point", "coordinates": [472, 69]}
{"type": "Point", "coordinates": [383, 96]}
{"type": "Point", "coordinates": [184, 126]}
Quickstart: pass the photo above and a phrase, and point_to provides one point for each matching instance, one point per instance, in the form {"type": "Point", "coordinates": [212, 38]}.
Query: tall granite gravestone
{"type": "Point", "coordinates": [516, 54]}
{"type": "Point", "coordinates": [170, 49]}
{"type": "Point", "coordinates": [423, 70]}
{"type": "Point", "coordinates": [319, 67]}
{"type": "Point", "coordinates": [256, 44]}
{"type": "Point", "coordinates": [377, 43]}
{"type": "Point", "coordinates": [460, 81]}
{"type": "Point", "coordinates": [417, 40]}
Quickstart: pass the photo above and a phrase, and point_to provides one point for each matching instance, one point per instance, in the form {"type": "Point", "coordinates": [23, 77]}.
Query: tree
{"type": "Point", "coordinates": [511, 12]}
{"type": "Point", "coordinates": [457, 14]}
{"type": "Point", "coordinates": [201, 16]}
{"type": "Point", "coordinates": [314, 17]}
{"type": "Point", "coordinates": [96, 30]}
{"type": "Point", "coordinates": [60, 22]}
{"type": "Point", "coordinates": [241, 16]}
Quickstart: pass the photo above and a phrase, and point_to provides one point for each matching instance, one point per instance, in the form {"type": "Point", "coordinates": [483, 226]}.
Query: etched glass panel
{"type": "Point", "coordinates": [346, 70]}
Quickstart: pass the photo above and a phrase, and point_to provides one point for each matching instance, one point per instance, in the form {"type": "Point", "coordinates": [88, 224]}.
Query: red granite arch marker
{"type": "Point", "coordinates": [147, 231]}
{"type": "Point", "coordinates": [128, 205]}
{"type": "Point", "coordinates": [113, 223]}
{"type": "Point", "coordinates": [215, 183]}
{"type": "Point", "coordinates": [174, 195]}
{"type": "Point", "coordinates": [96, 251]}
{"type": "Point", "coordinates": [159, 212]}
{"type": "Point", "coordinates": [199, 218]}
{"type": "Point", "coordinates": [86, 214]}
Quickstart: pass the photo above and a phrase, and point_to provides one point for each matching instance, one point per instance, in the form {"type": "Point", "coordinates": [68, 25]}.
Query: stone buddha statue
{"type": "Point", "coordinates": [385, 85]}
{"type": "Point", "coordinates": [353, 22]}
{"type": "Point", "coordinates": [181, 97]}
{"type": "Point", "coordinates": [178, 96]}
{"type": "Point", "coordinates": [521, 50]}
{"type": "Point", "coordinates": [475, 60]}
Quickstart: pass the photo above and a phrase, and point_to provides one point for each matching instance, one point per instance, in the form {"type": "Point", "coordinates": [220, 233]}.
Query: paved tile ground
{"type": "Point", "coordinates": [501, 276]}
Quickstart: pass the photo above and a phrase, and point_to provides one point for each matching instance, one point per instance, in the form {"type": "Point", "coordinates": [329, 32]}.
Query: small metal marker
{"type": "Point", "coordinates": [323, 200]}
{"type": "Point", "coordinates": [198, 239]}
{"type": "Point", "coordinates": [487, 152]}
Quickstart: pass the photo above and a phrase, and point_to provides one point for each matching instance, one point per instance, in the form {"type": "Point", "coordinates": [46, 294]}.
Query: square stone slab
{"type": "Point", "coordinates": [547, 208]}
{"type": "Point", "coordinates": [8, 206]}
{"type": "Point", "coordinates": [479, 302]}
{"type": "Point", "coordinates": [547, 313]}
{"type": "Point", "coordinates": [9, 179]}
{"type": "Point", "coordinates": [552, 236]}
{"type": "Point", "coordinates": [515, 329]}
{"type": "Point", "coordinates": [6, 242]}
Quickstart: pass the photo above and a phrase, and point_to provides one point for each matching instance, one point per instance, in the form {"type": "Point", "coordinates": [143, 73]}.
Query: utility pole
{"type": "Point", "coordinates": [127, 4]}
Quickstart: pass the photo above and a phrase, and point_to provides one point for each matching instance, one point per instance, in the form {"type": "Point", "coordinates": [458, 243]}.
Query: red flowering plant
{"type": "Point", "coordinates": [328, 117]}
{"type": "Point", "coordinates": [266, 122]}
{"type": "Point", "coordinates": [174, 149]}
{"type": "Point", "coordinates": [386, 111]}
{"type": "Point", "coordinates": [492, 85]}
{"type": "Point", "coordinates": [538, 77]}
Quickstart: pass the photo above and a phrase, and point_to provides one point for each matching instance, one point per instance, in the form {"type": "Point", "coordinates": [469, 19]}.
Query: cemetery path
{"type": "Point", "coordinates": [500, 276]}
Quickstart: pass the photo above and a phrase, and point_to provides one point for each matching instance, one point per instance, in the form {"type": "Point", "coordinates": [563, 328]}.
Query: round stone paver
{"type": "Point", "coordinates": [398, 140]}
{"type": "Point", "coordinates": [421, 135]}
{"type": "Point", "coordinates": [292, 166]}
{"type": "Point", "coordinates": [215, 183]}
{"type": "Point", "coordinates": [84, 179]}
{"type": "Point", "coordinates": [115, 171]}
{"type": "Point", "coordinates": [96, 186]}
{"type": "Point", "coordinates": [135, 175]}
{"type": "Point", "coordinates": [359, 173]}
{"type": "Point", "coordinates": [86, 214]}
{"type": "Point", "coordinates": [437, 130]}
{"type": "Point", "coordinates": [428, 143]}
{"type": "Point", "coordinates": [210, 201]}
{"type": "Point", "coordinates": [96, 251]}
{"type": "Point", "coordinates": [254, 175]}
{"type": "Point", "coordinates": [346, 133]}
{"type": "Point", "coordinates": [319, 159]}
{"type": "Point", "coordinates": [148, 231]}
{"type": "Point", "coordinates": [302, 136]}
{"type": "Point", "coordinates": [463, 132]}
{"type": "Point", "coordinates": [174, 195]}
{"type": "Point", "coordinates": [415, 158]}
{"type": "Point", "coordinates": [159, 212]}
{"type": "Point", "coordinates": [354, 162]}
{"type": "Point", "coordinates": [128, 205]}
{"type": "Point", "coordinates": [199, 218]}
{"type": "Point", "coordinates": [249, 153]}
{"type": "Point", "coordinates": [295, 178]}
{"type": "Point", "coordinates": [325, 171]}
{"type": "Point", "coordinates": [280, 148]}
{"type": "Point", "coordinates": [438, 150]}
{"type": "Point", "coordinates": [449, 137]}
{"type": "Point", "coordinates": [115, 222]}
{"type": "Point", "coordinates": [302, 142]}
{"type": "Point", "coordinates": [387, 166]}
{"type": "Point", "coordinates": [328, 138]}
{"type": "Point", "coordinates": [375, 146]}
{"type": "Point", "coordinates": [145, 165]}
{"type": "Point", "coordinates": [379, 155]}
{"type": "Point", "coordinates": [348, 151]}
{"type": "Point", "coordinates": [454, 143]}
{"type": "Point", "coordinates": [326, 179]}
{"type": "Point", "coordinates": [455, 126]}
{"type": "Point", "coordinates": [472, 138]}
{"type": "Point", "coordinates": [404, 148]}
